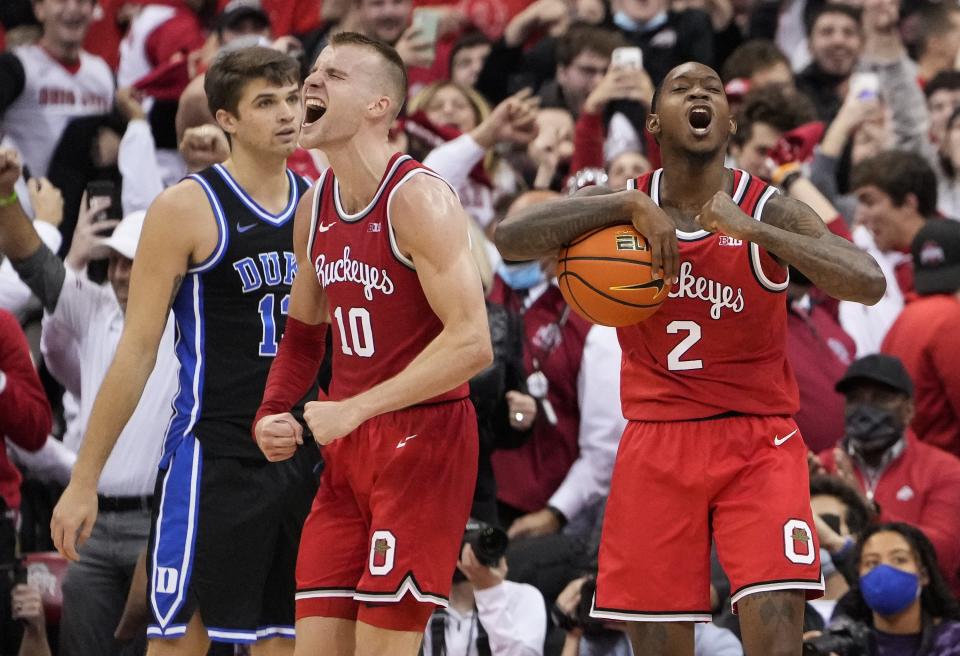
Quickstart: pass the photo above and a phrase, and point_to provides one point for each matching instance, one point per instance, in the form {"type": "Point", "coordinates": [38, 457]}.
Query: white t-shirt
{"type": "Point", "coordinates": [52, 97]}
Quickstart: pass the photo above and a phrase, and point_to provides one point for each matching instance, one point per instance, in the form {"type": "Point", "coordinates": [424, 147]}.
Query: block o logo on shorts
{"type": "Point", "coordinates": [383, 547]}
{"type": "Point", "coordinates": [798, 542]}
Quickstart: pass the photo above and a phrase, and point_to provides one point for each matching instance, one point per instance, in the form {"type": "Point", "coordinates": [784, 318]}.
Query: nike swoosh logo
{"type": "Point", "coordinates": [643, 285]}
{"type": "Point", "coordinates": [402, 443]}
{"type": "Point", "coordinates": [777, 441]}
{"type": "Point", "coordinates": [324, 228]}
{"type": "Point", "coordinates": [241, 228]}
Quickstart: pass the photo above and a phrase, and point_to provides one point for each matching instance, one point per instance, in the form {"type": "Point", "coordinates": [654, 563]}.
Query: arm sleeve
{"type": "Point", "coordinates": [898, 84]}
{"type": "Point", "coordinates": [454, 160]}
{"type": "Point", "coordinates": [180, 34]}
{"type": "Point", "coordinates": [44, 274]}
{"type": "Point", "coordinates": [943, 354]}
{"type": "Point", "coordinates": [515, 618]}
{"type": "Point", "coordinates": [294, 369]}
{"type": "Point", "coordinates": [587, 142]}
{"type": "Point", "coordinates": [137, 161]}
{"type": "Point", "coordinates": [601, 424]}
{"type": "Point", "coordinates": [14, 293]}
{"type": "Point", "coordinates": [53, 462]}
{"type": "Point", "coordinates": [61, 354]}
{"type": "Point", "coordinates": [12, 80]}
{"type": "Point", "coordinates": [25, 415]}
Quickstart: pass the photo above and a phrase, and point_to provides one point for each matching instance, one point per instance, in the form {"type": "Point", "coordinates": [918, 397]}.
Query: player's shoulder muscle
{"type": "Point", "coordinates": [181, 219]}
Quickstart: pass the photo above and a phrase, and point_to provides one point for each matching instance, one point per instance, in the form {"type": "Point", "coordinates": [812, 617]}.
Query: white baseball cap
{"type": "Point", "coordinates": [126, 235]}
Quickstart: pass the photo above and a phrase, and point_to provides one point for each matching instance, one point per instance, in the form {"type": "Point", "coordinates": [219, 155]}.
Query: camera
{"type": "Point", "coordinates": [847, 638]}
{"type": "Point", "coordinates": [489, 543]}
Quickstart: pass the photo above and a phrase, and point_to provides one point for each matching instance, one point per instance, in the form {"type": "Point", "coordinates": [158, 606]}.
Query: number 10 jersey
{"type": "Point", "coordinates": [718, 343]}
{"type": "Point", "coordinates": [380, 315]}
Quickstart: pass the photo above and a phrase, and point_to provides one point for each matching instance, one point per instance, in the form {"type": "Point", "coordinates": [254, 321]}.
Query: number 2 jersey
{"type": "Point", "coordinates": [380, 317]}
{"type": "Point", "coordinates": [230, 312]}
{"type": "Point", "coordinates": [718, 343]}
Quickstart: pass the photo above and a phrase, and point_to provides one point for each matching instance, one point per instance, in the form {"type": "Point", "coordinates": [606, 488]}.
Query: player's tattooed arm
{"type": "Point", "coordinates": [793, 233]}
{"type": "Point", "coordinates": [542, 229]}
{"type": "Point", "coordinates": [177, 281]}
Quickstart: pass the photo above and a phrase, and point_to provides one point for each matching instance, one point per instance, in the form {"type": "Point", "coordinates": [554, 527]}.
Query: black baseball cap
{"type": "Point", "coordinates": [878, 368]}
{"type": "Point", "coordinates": [936, 257]}
{"type": "Point", "coordinates": [239, 11]}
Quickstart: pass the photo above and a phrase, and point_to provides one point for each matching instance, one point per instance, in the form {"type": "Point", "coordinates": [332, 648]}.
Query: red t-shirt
{"type": "Point", "coordinates": [926, 337]}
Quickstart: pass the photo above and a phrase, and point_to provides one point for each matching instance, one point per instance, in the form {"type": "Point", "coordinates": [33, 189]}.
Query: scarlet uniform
{"type": "Point", "coordinates": [395, 494]}
{"type": "Point", "coordinates": [711, 445]}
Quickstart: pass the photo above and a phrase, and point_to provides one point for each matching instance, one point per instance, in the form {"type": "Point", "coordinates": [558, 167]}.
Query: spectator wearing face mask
{"type": "Point", "coordinates": [573, 369]}
{"type": "Point", "coordinates": [905, 479]}
{"type": "Point", "coordinates": [925, 335]}
{"type": "Point", "coordinates": [900, 599]}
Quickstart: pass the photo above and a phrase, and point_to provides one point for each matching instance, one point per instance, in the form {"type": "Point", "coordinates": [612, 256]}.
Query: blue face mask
{"type": "Point", "coordinates": [523, 275]}
{"type": "Point", "coordinates": [888, 590]}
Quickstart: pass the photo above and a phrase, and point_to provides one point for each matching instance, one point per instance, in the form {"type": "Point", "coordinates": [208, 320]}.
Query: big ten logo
{"type": "Point", "coordinates": [167, 578]}
{"type": "Point", "coordinates": [730, 241]}
{"type": "Point", "coordinates": [798, 542]}
{"type": "Point", "coordinates": [630, 242]}
{"type": "Point", "coordinates": [383, 547]}
{"type": "Point", "coordinates": [267, 270]}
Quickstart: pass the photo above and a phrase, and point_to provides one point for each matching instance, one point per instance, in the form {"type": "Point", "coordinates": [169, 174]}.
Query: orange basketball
{"type": "Point", "coordinates": [605, 276]}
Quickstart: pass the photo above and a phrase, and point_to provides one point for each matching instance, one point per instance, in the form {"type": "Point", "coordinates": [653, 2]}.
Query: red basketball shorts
{"type": "Point", "coordinates": [743, 478]}
{"type": "Point", "coordinates": [389, 516]}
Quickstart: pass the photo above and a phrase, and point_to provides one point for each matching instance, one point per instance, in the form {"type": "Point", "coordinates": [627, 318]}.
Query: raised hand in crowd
{"type": "Point", "coordinates": [9, 171]}
{"type": "Point", "coordinates": [512, 121]}
{"type": "Point", "coordinates": [854, 112]}
{"type": "Point", "coordinates": [27, 606]}
{"type": "Point", "coordinates": [46, 201]}
{"type": "Point", "coordinates": [203, 146]}
{"type": "Point", "coordinates": [91, 229]}
{"type": "Point", "coordinates": [129, 102]}
{"type": "Point", "coordinates": [551, 16]}
{"type": "Point", "coordinates": [522, 408]}
{"type": "Point", "coordinates": [620, 84]}
{"type": "Point", "coordinates": [414, 48]}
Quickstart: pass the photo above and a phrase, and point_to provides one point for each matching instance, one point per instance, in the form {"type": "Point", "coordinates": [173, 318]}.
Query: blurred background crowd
{"type": "Point", "coordinates": [852, 107]}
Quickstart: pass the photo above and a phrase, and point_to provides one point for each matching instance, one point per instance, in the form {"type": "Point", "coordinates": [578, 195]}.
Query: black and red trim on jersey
{"type": "Point", "coordinates": [750, 194]}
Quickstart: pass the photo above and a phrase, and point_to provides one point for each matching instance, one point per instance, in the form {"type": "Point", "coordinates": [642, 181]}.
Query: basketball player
{"type": "Point", "coordinates": [383, 252]}
{"type": "Point", "coordinates": [215, 249]}
{"type": "Point", "coordinates": [710, 446]}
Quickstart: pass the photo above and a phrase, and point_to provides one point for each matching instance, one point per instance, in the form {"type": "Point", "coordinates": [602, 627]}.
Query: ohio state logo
{"type": "Point", "coordinates": [798, 542]}
{"type": "Point", "coordinates": [383, 547]}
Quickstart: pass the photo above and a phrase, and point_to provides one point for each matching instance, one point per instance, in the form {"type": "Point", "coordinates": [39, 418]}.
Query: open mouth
{"type": "Point", "coordinates": [700, 118]}
{"type": "Point", "coordinates": [313, 111]}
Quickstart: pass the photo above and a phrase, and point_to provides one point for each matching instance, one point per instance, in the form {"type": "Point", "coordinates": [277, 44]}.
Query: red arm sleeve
{"type": "Point", "coordinates": [294, 369]}
{"type": "Point", "coordinates": [587, 143]}
{"type": "Point", "coordinates": [25, 415]}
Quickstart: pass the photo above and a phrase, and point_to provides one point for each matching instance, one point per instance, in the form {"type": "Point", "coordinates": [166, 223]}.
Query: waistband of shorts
{"type": "Point", "coordinates": [124, 504]}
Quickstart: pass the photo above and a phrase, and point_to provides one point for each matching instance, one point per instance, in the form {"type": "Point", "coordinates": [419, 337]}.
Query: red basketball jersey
{"type": "Point", "coordinates": [381, 318]}
{"type": "Point", "coordinates": [718, 343]}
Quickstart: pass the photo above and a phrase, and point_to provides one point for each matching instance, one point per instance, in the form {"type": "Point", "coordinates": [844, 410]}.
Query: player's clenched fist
{"type": "Point", "coordinates": [721, 214]}
{"type": "Point", "coordinates": [9, 170]}
{"type": "Point", "coordinates": [278, 436]}
{"type": "Point", "coordinates": [330, 420]}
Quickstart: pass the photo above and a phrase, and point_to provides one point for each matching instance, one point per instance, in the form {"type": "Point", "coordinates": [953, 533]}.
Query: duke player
{"type": "Point", "coordinates": [710, 446]}
{"type": "Point", "coordinates": [215, 247]}
{"type": "Point", "coordinates": [383, 252]}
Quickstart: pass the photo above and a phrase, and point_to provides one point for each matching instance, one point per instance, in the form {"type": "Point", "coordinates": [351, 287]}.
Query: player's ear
{"type": "Point", "coordinates": [381, 106]}
{"type": "Point", "coordinates": [226, 121]}
{"type": "Point", "coordinates": [733, 125]}
{"type": "Point", "coordinates": [653, 124]}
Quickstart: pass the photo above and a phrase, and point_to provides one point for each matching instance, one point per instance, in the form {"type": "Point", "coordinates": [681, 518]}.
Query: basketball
{"type": "Point", "coordinates": [605, 276]}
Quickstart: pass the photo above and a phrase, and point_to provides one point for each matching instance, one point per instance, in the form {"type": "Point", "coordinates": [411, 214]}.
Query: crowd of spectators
{"type": "Point", "coordinates": [850, 106]}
